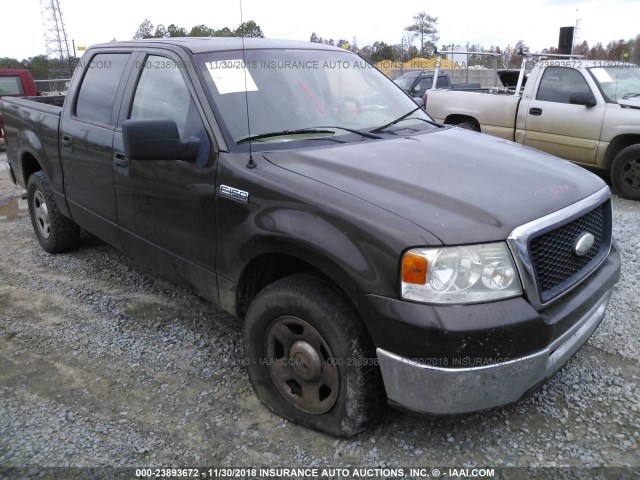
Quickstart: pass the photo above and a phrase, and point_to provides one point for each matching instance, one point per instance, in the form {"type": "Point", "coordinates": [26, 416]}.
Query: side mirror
{"type": "Point", "coordinates": [157, 139]}
{"type": "Point", "coordinates": [583, 98]}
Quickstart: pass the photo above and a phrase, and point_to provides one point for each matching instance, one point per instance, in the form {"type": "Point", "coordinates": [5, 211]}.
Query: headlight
{"type": "Point", "coordinates": [467, 274]}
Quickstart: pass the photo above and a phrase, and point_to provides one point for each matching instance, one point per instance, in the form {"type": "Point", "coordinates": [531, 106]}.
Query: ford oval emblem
{"type": "Point", "coordinates": [583, 244]}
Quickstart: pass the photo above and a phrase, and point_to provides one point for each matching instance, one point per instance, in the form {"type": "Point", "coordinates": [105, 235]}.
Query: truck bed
{"type": "Point", "coordinates": [35, 121]}
{"type": "Point", "coordinates": [495, 112]}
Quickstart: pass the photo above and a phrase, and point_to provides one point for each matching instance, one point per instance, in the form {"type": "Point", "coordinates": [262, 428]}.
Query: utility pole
{"type": "Point", "coordinates": [55, 37]}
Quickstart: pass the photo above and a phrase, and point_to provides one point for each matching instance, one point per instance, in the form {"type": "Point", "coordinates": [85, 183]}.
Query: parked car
{"type": "Point", "coordinates": [373, 254]}
{"type": "Point", "coordinates": [15, 83]}
{"type": "Point", "coordinates": [585, 111]}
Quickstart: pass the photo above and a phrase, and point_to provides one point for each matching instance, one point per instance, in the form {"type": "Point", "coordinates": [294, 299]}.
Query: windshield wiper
{"type": "Point", "coordinates": [399, 119]}
{"type": "Point", "coordinates": [353, 130]}
{"type": "Point", "coordinates": [321, 129]}
{"type": "Point", "coordinates": [630, 95]}
{"type": "Point", "coordinates": [283, 133]}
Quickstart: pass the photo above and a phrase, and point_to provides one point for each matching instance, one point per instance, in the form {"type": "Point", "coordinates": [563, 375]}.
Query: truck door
{"type": "Point", "coordinates": [166, 208]}
{"type": "Point", "coordinates": [556, 126]}
{"type": "Point", "coordinates": [86, 137]}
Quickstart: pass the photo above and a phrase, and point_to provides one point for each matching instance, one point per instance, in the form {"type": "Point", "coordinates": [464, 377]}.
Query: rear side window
{"type": "Point", "coordinates": [558, 83]}
{"type": "Point", "coordinates": [10, 85]}
{"type": "Point", "coordinates": [99, 86]}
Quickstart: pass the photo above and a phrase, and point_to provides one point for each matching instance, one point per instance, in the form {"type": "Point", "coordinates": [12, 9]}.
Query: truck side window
{"type": "Point", "coordinates": [98, 90]}
{"type": "Point", "coordinates": [558, 83]}
{"type": "Point", "coordinates": [162, 93]}
{"type": "Point", "coordinates": [424, 84]}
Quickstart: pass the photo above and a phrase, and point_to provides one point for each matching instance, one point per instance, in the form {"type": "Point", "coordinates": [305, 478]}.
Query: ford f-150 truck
{"type": "Point", "coordinates": [373, 254]}
{"type": "Point", "coordinates": [586, 111]}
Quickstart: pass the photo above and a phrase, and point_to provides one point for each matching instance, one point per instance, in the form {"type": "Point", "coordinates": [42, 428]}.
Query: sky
{"type": "Point", "coordinates": [495, 22]}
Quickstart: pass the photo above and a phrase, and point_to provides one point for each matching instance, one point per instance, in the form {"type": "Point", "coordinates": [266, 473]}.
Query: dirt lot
{"type": "Point", "coordinates": [104, 363]}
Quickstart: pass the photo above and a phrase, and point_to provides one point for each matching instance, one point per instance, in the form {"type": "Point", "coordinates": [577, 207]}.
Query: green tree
{"type": "Point", "coordinates": [160, 32]}
{"type": "Point", "coordinates": [226, 32]}
{"type": "Point", "coordinates": [12, 63]}
{"type": "Point", "coordinates": [202, 31]}
{"type": "Point", "coordinates": [175, 31]}
{"type": "Point", "coordinates": [145, 30]}
{"type": "Point", "coordinates": [382, 51]}
{"type": "Point", "coordinates": [424, 28]}
{"type": "Point", "coordinates": [249, 29]}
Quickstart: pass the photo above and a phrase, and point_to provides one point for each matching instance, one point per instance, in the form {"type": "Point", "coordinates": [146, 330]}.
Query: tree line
{"type": "Point", "coordinates": [423, 32]}
{"type": "Point", "coordinates": [245, 29]}
{"type": "Point", "coordinates": [44, 68]}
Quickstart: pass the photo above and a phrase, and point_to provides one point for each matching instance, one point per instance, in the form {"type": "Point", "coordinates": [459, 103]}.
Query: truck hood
{"type": "Point", "coordinates": [461, 186]}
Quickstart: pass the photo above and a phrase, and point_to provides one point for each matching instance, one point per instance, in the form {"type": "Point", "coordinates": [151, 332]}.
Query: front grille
{"type": "Point", "coordinates": [557, 268]}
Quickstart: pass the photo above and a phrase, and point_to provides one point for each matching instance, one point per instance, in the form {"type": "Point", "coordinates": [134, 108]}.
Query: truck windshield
{"type": "Point", "coordinates": [10, 85]}
{"type": "Point", "coordinates": [405, 82]}
{"type": "Point", "coordinates": [618, 81]}
{"type": "Point", "coordinates": [291, 91]}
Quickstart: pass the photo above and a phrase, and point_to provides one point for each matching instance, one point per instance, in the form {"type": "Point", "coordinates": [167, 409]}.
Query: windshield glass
{"type": "Point", "coordinates": [618, 81]}
{"type": "Point", "coordinates": [405, 82]}
{"type": "Point", "coordinates": [293, 90]}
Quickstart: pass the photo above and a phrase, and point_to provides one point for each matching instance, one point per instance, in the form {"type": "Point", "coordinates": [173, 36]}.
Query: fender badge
{"type": "Point", "coordinates": [234, 194]}
{"type": "Point", "coordinates": [583, 244]}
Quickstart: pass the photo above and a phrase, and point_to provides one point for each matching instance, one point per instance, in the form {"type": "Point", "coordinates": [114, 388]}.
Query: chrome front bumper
{"type": "Point", "coordinates": [437, 390]}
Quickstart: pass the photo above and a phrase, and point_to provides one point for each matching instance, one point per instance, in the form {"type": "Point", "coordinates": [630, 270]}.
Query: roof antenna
{"type": "Point", "coordinates": [251, 163]}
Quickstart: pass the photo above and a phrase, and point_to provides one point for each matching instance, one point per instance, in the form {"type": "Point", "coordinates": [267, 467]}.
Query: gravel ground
{"type": "Point", "coordinates": [104, 363]}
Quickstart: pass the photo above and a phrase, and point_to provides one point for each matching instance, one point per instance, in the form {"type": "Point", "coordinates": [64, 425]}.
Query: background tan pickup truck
{"type": "Point", "coordinates": [586, 111]}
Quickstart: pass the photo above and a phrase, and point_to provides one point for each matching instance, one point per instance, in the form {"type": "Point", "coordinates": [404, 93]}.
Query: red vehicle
{"type": "Point", "coordinates": [15, 83]}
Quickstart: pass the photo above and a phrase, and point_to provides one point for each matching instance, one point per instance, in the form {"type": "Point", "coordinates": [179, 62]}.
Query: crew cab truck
{"type": "Point", "coordinates": [585, 111]}
{"type": "Point", "coordinates": [15, 83]}
{"type": "Point", "coordinates": [374, 255]}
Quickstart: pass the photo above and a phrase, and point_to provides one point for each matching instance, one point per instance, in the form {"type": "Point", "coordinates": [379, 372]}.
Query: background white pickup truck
{"type": "Point", "coordinates": [586, 111]}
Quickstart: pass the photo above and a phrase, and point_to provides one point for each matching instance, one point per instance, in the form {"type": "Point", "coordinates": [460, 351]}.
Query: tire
{"type": "Point", "coordinates": [55, 232]}
{"type": "Point", "coordinates": [310, 358]}
{"type": "Point", "coordinates": [625, 173]}
{"type": "Point", "coordinates": [468, 126]}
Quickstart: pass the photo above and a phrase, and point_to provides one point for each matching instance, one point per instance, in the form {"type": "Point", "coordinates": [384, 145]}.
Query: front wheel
{"type": "Point", "coordinates": [468, 126]}
{"type": "Point", "coordinates": [625, 172]}
{"type": "Point", "coordinates": [310, 357]}
{"type": "Point", "coordinates": [55, 232]}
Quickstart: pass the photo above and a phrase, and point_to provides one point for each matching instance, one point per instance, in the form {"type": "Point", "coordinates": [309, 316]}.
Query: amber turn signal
{"type": "Point", "coordinates": [414, 269]}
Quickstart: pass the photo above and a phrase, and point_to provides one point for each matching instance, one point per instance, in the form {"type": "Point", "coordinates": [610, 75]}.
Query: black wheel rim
{"type": "Point", "coordinates": [302, 365]}
{"type": "Point", "coordinates": [631, 174]}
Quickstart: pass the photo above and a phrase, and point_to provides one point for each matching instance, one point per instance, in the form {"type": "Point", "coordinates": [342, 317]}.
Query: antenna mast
{"type": "Point", "coordinates": [55, 36]}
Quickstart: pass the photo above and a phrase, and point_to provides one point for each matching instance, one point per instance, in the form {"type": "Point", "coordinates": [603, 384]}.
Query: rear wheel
{"type": "Point", "coordinates": [55, 232]}
{"type": "Point", "coordinates": [310, 357]}
{"type": "Point", "coordinates": [625, 173]}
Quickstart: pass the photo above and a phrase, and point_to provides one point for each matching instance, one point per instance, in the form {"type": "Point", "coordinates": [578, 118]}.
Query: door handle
{"type": "Point", "coordinates": [120, 160]}
{"type": "Point", "coordinates": [535, 111]}
{"type": "Point", "coordinates": [67, 141]}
